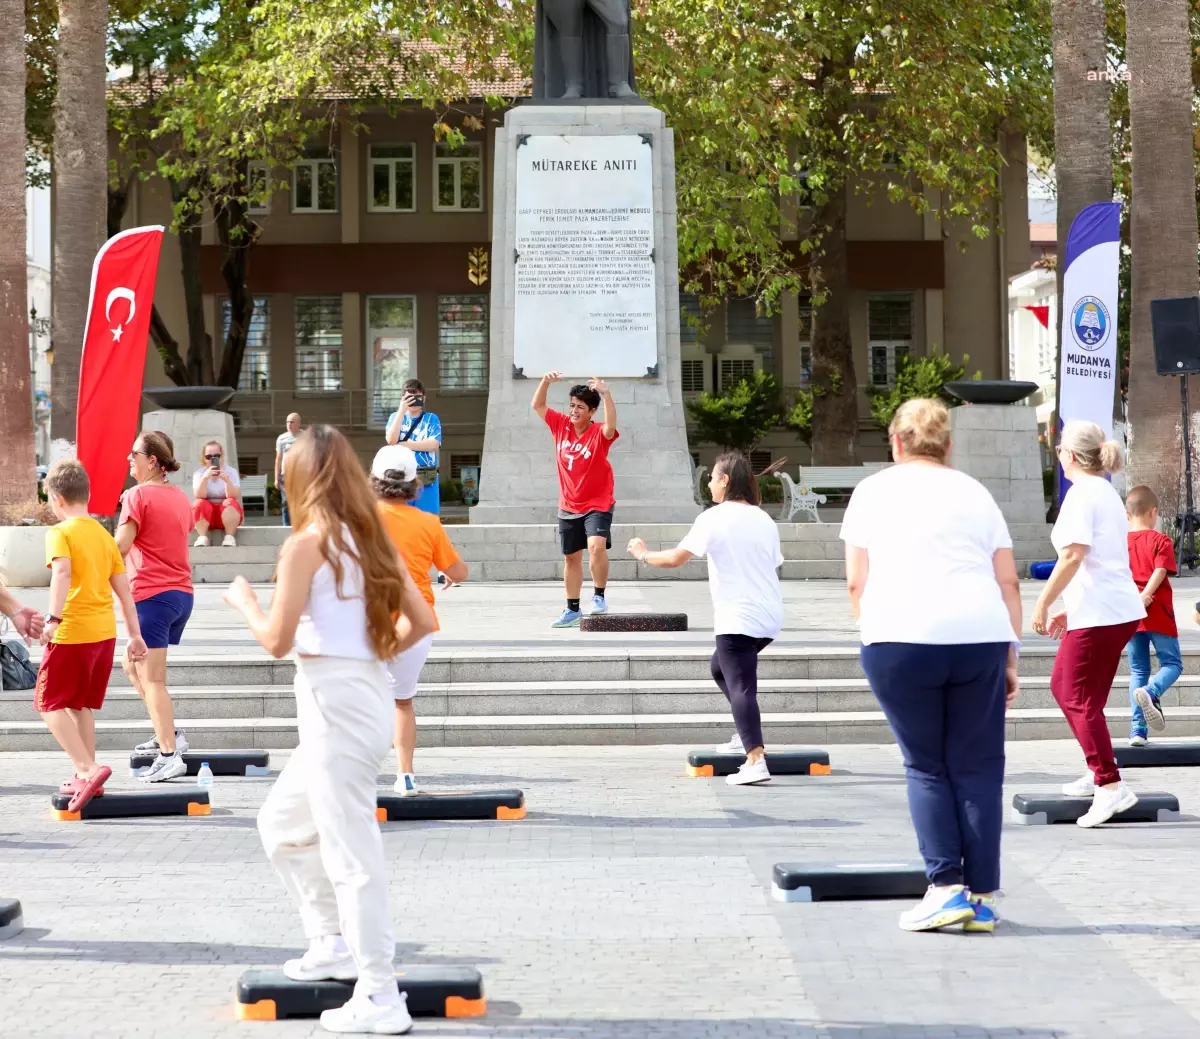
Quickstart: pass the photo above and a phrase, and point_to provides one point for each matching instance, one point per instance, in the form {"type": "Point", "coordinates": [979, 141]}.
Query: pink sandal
{"type": "Point", "coordinates": [87, 788]}
{"type": "Point", "coordinates": [69, 786]}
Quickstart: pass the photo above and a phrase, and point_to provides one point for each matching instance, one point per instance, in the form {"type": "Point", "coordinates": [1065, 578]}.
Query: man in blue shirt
{"type": "Point", "coordinates": [421, 432]}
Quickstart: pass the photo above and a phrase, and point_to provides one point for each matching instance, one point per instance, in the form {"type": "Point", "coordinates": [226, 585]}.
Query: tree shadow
{"type": "Point", "coordinates": [736, 818]}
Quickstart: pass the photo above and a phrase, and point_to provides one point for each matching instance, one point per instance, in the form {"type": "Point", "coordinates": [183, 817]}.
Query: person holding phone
{"type": "Point", "coordinates": [217, 489]}
{"type": "Point", "coordinates": [421, 432]}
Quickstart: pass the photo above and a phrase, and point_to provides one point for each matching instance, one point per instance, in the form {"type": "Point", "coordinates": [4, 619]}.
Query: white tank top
{"type": "Point", "coordinates": [333, 626]}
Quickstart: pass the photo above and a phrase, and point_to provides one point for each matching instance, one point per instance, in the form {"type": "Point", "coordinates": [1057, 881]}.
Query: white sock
{"type": "Point", "coordinates": [389, 997]}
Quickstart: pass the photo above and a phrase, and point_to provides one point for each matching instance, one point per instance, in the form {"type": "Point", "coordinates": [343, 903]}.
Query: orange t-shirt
{"type": "Point", "coordinates": [422, 542]}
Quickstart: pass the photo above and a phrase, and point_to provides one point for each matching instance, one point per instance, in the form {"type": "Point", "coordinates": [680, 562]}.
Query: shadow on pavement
{"type": "Point", "coordinates": [737, 818]}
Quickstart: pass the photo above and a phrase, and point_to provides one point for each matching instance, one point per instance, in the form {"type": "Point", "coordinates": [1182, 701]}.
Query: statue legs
{"type": "Point", "coordinates": [572, 62]}
{"type": "Point", "coordinates": [618, 66]}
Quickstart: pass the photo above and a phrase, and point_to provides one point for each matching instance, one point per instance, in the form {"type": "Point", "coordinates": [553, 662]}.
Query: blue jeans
{"type": "Point", "coordinates": [1170, 667]}
{"type": "Point", "coordinates": [284, 518]}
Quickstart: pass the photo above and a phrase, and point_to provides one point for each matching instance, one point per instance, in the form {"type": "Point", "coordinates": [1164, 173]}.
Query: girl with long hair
{"type": "Point", "coordinates": [339, 586]}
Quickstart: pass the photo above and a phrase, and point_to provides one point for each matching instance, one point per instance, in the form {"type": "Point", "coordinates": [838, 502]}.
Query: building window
{"type": "Point", "coordinates": [392, 357]}
{"type": "Point", "coordinates": [318, 344]}
{"type": "Point", "coordinates": [391, 171]}
{"type": "Point", "coordinates": [804, 325]}
{"type": "Point", "coordinates": [314, 184]}
{"type": "Point", "coordinates": [255, 374]}
{"type": "Point", "coordinates": [463, 342]}
{"type": "Point", "coordinates": [691, 374]}
{"type": "Point", "coordinates": [747, 323]}
{"type": "Point", "coordinates": [735, 369]}
{"type": "Point", "coordinates": [458, 176]}
{"type": "Point", "coordinates": [458, 461]}
{"type": "Point", "coordinates": [889, 335]}
{"type": "Point", "coordinates": [247, 465]}
{"type": "Point", "coordinates": [690, 317]}
{"type": "Point", "coordinates": [258, 188]}
{"type": "Point", "coordinates": [759, 460]}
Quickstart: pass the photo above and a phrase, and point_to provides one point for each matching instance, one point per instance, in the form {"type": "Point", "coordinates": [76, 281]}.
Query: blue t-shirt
{"type": "Point", "coordinates": [425, 426]}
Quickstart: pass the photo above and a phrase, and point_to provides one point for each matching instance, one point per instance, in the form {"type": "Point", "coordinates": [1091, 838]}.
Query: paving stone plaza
{"type": "Point", "coordinates": [631, 901]}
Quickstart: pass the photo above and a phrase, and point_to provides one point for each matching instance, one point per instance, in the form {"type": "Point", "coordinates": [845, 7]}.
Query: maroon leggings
{"type": "Point", "coordinates": [1083, 675]}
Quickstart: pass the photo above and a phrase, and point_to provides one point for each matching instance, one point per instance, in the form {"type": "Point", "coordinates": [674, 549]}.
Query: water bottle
{"type": "Point", "coordinates": [204, 780]}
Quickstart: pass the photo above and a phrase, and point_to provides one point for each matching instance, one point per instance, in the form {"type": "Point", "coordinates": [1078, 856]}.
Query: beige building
{"type": "Point", "coordinates": [372, 268]}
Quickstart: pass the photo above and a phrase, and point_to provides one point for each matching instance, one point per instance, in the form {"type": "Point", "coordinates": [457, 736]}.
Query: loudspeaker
{"type": "Point", "coordinates": [1176, 324]}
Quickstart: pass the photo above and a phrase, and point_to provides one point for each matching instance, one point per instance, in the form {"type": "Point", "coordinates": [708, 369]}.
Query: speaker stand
{"type": "Point", "coordinates": [1188, 521]}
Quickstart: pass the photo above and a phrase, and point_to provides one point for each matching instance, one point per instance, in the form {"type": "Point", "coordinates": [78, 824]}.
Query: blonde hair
{"type": "Point", "coordinates": [207, 445]}
{"type": "Point", "coordinates": [923, 428]}
{"type": "Point", "coordinates": [69, 480]}
{"type": "Point", "coordinates": [1092, 453]}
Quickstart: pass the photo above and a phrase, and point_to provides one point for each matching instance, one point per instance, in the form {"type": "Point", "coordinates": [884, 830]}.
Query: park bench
{"type": "Point", "coordinates": [802, 496]}
{"type": "Point", "coordinates": [254, 487]}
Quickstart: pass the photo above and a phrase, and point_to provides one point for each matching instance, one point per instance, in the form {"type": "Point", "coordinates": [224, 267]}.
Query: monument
{"type": "Point", "coordinates": [585, 273]}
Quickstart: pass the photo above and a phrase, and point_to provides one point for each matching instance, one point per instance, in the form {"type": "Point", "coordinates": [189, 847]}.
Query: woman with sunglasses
{"type": "Point", "coordinates": [218, 492]}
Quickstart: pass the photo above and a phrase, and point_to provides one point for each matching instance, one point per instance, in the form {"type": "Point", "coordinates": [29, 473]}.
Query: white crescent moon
{"type": "Point", "coordinates": [121, 293]}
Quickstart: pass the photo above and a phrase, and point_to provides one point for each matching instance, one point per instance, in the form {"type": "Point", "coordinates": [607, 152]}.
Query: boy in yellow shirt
{"type": "Point", "coordinates": [81, 631]}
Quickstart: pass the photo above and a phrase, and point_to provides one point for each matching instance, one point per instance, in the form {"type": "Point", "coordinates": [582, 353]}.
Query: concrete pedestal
{"type": "Point", "coordinates": [518, 480]}
{"type": "Point", "coordinates": [189, 430]}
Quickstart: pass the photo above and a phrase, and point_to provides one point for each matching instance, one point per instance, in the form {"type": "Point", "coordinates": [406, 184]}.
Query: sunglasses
{"type": "Point", "coordinates": [212, 458]}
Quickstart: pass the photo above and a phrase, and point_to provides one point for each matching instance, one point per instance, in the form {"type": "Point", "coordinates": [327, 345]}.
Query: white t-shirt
{"type": "Point", "coordinates": [930, 535]}
{"type": "Point", "coordinates": [1102, 591]}
{"type": "Point", "coordinates": [216, 488]}
{"type": "Point", "coordinates": [742, 545]}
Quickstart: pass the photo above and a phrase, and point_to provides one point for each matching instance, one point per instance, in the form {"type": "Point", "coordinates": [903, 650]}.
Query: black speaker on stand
{"type": "Point", "coordinates": [1176, 328]}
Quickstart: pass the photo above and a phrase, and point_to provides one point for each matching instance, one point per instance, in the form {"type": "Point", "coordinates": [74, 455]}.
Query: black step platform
{"type": "Point", "coordinates": [485, 804]}
{"type": "Point", "coordinates": [848, 881]}
{"type": "Point", "coordinates": [163, 800]}
{"type": "Point", "coordinates": [432, 991]}
{"type": "Point", "coordinates": [1035, 809]}
{"type": "Point", "coordinates": [634, 622]}
{"type": "Point", "coordinates": [11, 921]}
{"type": "Point", "coordinates": [222, 762]}
{"type": "Point", "coordinates": [1158, 755]}
{"type": "Point", "coordinates": [800, 761]}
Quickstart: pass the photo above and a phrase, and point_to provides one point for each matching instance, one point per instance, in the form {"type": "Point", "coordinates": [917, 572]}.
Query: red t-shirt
{"type": "Point", "coordinates": [1149, 550]}
{"type": "Point", "coordinates": [585, 479]}
{"type": "Point", "coordinates": [159, 559]}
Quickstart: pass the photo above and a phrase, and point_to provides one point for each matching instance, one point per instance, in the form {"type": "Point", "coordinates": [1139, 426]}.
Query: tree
{"type": "Point", "coordinates": [1163, 226]}
{"type": "Point", "coordinates": [918, 377]}
{"type": "Point", "coordinates": [18, 478]}
{"type": "Point", "coordinates": [738, 417]}
{"type": "Point", "coordinates": [80, 185]}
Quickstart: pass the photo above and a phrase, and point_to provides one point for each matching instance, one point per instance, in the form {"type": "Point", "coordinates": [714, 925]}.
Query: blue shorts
{"type": "Point", "coordinates": [163, 618]}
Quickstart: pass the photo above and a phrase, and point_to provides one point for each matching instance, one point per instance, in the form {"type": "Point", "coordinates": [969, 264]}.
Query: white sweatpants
{"type": "Point", "coordinates": [318, 822]}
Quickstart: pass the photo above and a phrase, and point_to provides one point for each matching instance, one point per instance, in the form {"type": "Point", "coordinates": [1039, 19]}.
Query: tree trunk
{"type": "Point", "coordinates": [237, 233]}
{"type": "Point", "coordinates": [200, 351]}
{"type": "Point", "coordinates": [1082, 169]}
{"type": "Point", "coordinates": [834, 385]}
{"type": "Point", "coordinates": [18, 477]}
{"type": "Point", "coordinates": [80, 170]}
{"type": "Point", "coordinates": [1162, 229]}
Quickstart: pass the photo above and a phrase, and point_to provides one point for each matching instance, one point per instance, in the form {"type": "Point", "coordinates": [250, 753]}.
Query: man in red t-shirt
{"type": "Point", "coordinates": [585, 482]}
{"type": "Point", "coordinates": [1151, 561]}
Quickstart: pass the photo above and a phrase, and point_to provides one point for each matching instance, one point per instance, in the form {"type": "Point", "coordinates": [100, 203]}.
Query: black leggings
{"type": "Point", "coordinates": [735, 670]}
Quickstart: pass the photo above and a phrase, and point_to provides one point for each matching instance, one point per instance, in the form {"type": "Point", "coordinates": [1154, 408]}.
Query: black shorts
{"type": "Point", "coordinates": [574, 533]}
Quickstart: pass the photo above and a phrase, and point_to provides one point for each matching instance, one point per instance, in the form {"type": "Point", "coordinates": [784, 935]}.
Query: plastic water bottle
{"type": "Point", "coordinates": [204, 780]}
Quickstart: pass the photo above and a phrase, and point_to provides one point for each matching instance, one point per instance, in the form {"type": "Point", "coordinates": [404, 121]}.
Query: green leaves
{"type": "Point", "coordinates": [739, 417]}
{"type": "Point", "coordinates": [917, 377]}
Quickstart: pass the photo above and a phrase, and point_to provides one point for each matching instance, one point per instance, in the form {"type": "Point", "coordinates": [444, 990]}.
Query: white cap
{"type": "Point", "coordinates": [395, 457]}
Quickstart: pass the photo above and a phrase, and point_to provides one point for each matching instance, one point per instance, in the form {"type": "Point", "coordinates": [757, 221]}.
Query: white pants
{"type": "Point", "coordinates": [404, 671]}
{"type": "Point", "coordinates": [318, 822]}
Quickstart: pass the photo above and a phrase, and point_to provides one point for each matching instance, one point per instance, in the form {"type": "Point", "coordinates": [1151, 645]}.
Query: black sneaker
{"type": "Point", "coordinates": [1152, 708]}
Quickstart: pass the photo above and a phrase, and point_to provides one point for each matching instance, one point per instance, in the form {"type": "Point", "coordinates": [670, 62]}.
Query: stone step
{"type": "Point", "coordinates": [823, 729]}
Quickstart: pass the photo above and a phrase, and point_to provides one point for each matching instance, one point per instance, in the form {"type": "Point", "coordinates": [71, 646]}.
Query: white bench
{"type": "Point", "coordinates": [801, 496]}
{"type": "Point", "coordinates": [254, 487]}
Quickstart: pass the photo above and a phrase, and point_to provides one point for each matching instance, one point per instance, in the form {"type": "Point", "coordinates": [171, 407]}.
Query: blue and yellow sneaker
{"type": "Point", "coordinates": [941, 907]}
{"type": "Point", "coordinates": [567, 619]}
{"type": "Point", "coordinates": [985, 914]}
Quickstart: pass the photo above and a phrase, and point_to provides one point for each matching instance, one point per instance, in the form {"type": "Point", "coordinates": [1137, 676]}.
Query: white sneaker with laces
{"type": "Point", "coordinates": [151, 746]}
{"type": "Point", "coordinates": [328, 959]}
{"type": "Point", "coordinates": [734, 746]}
{"type": "Point", "coordinates": [748, 773]}
{"type": "Point", "coordinates": [365, 1016]}
{"type": "Point", "coordinates": [1108, 802]}
{"type": "Point", "coordinates": [181, 740]}
{"type": "Point", "coordinates": [201, 541]}
{"type": "Point", "coordinates": [229, 541]}
{"type": "Point", "coordinates": [1084, 786]}
{"type": "Point", "coordinates": [406, 784]}
{"type": "Point", "coordinates": [164, 767]}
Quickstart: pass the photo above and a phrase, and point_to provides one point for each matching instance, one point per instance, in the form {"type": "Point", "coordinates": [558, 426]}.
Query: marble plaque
{"type": "Point", "coordinates": [584, 302]}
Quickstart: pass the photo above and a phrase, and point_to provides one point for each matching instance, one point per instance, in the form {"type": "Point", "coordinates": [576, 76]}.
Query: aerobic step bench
{"type": "Point", "coordinates": [1158, 755]}
{"type": "Point", "coordinates": [222, 762]}
{"type": "Point", "coordinates": [178, 800]}
{"type": "Point", "coordinates": [847, 881]}
{"type": "Point", "coordinates": [634, 622]}
{"type": "Point", "coordinates": [432, 991]}
{"type": "Point", "coordinates": [11, 921]}
{"type": "Point", "coordinates": [1034, 809]}
{"type": "Point", "coordinates": [802, 761]}
{"type": "Point", "coordinates": [487, 804]}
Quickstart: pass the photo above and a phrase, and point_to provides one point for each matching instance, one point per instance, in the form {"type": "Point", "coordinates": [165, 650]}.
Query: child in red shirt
{"type": "Point", "coordinates": [1151, 560]}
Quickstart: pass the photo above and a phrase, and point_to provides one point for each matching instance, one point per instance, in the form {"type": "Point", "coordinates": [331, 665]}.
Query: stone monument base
{"type": "Point", "coordinates": [189, 429]}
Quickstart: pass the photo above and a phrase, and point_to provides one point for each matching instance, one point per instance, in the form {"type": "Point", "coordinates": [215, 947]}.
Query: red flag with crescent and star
{"type": "Point", "coordinates": [114, 360]}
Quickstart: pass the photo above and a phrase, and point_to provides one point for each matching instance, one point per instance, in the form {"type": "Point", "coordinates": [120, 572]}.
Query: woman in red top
{"type": "Point", "coordinates": [153, 533]}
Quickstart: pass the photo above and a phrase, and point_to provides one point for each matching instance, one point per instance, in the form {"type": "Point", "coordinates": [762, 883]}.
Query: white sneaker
{"type": "Point", "coordinates": [363, 1015]}
{"type": "Point", "coordinates": [201, 541]}
{"type": "Point", "coordinates": [1137, 740]}
{"type": "Point", "coordinates": [1084, 786]}
{"type": "Point", "coordinates": [1106, 804]}
{"type": "Point", "coordinates": [181, 740]}
{"type": "Point", "coordinates": [229, 542]}
{"type": "Point", "coordinates": [406, 784]}
{"type": "Point", "coordinates": [151, 746]}
{"type": "Point", "coordinates": [164, 767]}
{"type": "Point", "coordinates": [941, 907]}
{"type": "Point", "coordinates": [748, 773]}
{"type": "Point", "coordinates": [734, 746]}
{"type": "Point", "coordinates": [328, 959]}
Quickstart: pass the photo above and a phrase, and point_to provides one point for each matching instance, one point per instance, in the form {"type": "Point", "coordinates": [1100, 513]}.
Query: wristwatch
{"type": "Point", "coordinates": [51, 619]}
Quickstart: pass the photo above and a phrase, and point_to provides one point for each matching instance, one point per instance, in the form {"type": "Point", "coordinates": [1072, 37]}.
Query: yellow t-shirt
{"type": "Point", "coordinates": [88, 615]}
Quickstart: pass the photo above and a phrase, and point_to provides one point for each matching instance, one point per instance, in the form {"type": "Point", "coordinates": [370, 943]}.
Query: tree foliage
{"type": "Point", "coordinates": [917, 377]}
{"type": "Point", "coordinates": [738, 417]}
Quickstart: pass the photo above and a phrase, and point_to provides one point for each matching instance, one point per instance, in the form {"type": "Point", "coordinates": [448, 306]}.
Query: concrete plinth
{"type": "Point", "coordinates": [189, 430]}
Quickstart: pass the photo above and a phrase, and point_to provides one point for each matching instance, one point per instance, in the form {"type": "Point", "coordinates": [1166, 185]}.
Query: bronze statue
{"type": "Point", "coordinates": [581, 49]}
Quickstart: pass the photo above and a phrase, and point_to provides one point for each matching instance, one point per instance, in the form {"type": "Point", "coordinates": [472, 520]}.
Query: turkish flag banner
{"type": "Point", "coordinates": [114, 360]}
{"type": "Point", "coordinates": [1042, 313]}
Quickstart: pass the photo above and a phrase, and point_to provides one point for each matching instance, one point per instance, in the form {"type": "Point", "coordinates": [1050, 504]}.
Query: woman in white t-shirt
{"type": "Point", "coordinates": [1103, 607]}
{"type": "Point", "coordinates": [930, 570]}
{"type": "Point", "coordinates": [217, 490]}
{"type": "Point", "coordinates": [742, 545]}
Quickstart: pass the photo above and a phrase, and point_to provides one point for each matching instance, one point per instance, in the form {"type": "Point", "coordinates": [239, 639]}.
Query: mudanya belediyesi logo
{"type": "Point", "coordinates": [1089, 323]}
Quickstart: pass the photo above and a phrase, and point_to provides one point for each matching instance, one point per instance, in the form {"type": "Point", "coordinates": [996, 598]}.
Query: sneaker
{"type": "Point", "coordinates": [1106, 804]}
{"type": "Point", "coordinates": [1151, 708]}
{"type": "Point", "coordinates": [941, 907]}
{"type": "Point", "coordinates": [164, 767]}
{"type": "Point", "coordinates": [406, 784]}
{"type": "Point", "coordinates": [748, 773]}
{"type": "Point", "coordinates": [1138, 739]}
{"type": "Point", "coordinates": [151, 746]}
{"type": "Point", "coordinates": [1084, 786]}
{"type": "Point", "coordinates": [363, 1015]}
{"type": "Point", "coordinates": [201, 541]}
{"type": "Point", "coordinates": [567, 619]}
{"type": "Point", "coordinates": [599, 605]}
{"type": "Point", "coordinates": [229, 541]}
{"type": "Point", "coordinates": [328, 959]}
{"type": "Point", "coordinates": [985, 914]}
{"type": "Point", "coordinates": [734, 746]}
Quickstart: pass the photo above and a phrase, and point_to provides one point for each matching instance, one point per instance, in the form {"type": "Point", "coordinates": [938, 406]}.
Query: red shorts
{"type": "Point", "coordinates": [210, 512]}
{"type": "Point", "coordinates": [74, 675]}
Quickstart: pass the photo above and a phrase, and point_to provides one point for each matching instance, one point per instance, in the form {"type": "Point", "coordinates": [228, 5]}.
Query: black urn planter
{"type": "Point", "coordinates": [990, 391]}
{"type": "Point", "coordinates": [191, 398]}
